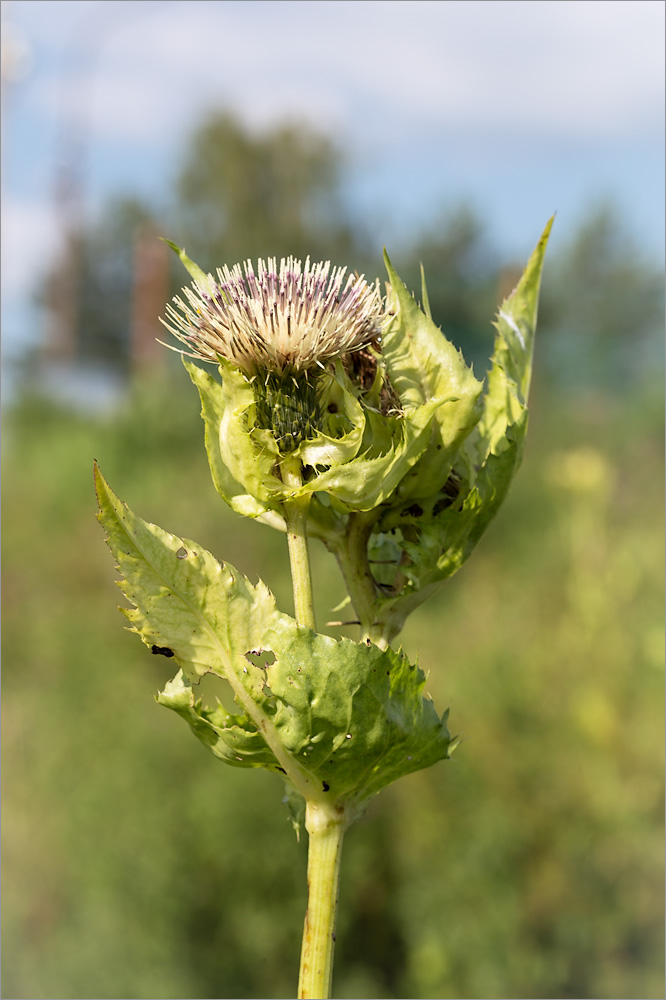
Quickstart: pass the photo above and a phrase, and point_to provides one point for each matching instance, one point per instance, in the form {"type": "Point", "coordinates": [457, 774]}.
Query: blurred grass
{"type": "Point", "coordinates": [135, 865]}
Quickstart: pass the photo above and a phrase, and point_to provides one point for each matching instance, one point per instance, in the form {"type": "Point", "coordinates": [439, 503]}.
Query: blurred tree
{"type": "Point", "coordinates": [239, 195]}
{"type": "Point", "coordinates": [251, 195]}
{"type": "Point", "coordinates": [602, 306]}
{"type": "Point", "coordinates": [105, 257]}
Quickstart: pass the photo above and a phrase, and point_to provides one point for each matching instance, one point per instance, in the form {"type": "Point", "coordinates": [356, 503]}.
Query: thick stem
{"type": "Point", "coordinates": [295, 516]}
{"type": "Point", "coordinates": [326, 828]}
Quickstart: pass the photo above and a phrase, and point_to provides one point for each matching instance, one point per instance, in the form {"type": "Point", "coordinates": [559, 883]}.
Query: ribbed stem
{"type": "Point", "coordinates": [326, 831]}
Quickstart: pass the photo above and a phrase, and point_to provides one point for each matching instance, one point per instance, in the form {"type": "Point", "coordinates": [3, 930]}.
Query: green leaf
{"type": "Point", "coordinates": [225, 408]}
{"type": "Point", "coordinates": [422, 364]}
{"type": "Point", "coordinates": [250, 454]}
{"type": "Point", "coordinates": [339, 719]}
{"type": "Point", "coordinates": [424, 294]}
{"type": "Point", "coordinates": [427, 371]}
{"type": "Point", "coordinates": [213, 402]}
{"type": "Point", "coordinates": [235, 739]}
{"type": "Point", "coordinates": [347, 424]}
{"type": "Point", "coordinates": [205, 612]}
{"type": "Point", "coordinates": [508, 382]}
{"type": "Point", "coordinates": [370, 479]}
{"type": "Point", "coordinates": [352, 715]}
{"type": "Point", "coordinates": [442, 540]}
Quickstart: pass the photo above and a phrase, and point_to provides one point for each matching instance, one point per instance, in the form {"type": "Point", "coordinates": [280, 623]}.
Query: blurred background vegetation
{"type": "Point", "coordinates": [136, 865]}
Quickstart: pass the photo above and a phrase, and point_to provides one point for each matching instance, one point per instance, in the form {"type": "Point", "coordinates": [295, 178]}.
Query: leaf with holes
{"type": "Point", "coordinates": [339, 719]}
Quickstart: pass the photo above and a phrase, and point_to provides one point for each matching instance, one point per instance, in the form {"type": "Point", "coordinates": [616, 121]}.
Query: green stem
{"type": "Point", "coordinates": [326, 828]}
{"type": "Point", "coordinates": [352, 555]}
{"type": "Point", "coordinates": [295, 515]}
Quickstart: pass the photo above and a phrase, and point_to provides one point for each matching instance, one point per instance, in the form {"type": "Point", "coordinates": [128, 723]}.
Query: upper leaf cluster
{"type": "Point", "coordinates": [412, 458]}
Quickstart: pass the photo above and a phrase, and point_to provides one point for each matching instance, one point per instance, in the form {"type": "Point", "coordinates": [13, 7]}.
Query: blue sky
{"type": "Point", "coordinates": [520, 108]}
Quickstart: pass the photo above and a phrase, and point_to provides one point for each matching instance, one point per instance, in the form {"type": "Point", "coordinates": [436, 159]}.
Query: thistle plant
{"type": "Point", "coordinates": [342, 414]}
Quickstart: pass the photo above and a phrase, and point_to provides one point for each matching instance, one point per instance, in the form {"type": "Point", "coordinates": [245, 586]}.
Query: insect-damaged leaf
{"type": "Point", "coordinates": [340, 719]}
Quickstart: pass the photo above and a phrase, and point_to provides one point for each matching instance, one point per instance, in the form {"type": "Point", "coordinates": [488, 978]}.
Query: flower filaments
{"type": "Point", "coordinates": [283, 321]}
{"type": "Point", "coordinates": [278, 326]}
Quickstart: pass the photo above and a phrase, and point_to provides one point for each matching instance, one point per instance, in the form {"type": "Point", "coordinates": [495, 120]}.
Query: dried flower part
{"type": "Point", "coordinates": [284, 320]}
{"type": "Point", "coordinates": [362, 369]}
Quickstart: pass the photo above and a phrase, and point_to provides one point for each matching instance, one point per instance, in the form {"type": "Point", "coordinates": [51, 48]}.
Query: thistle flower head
{"type": "Point", "coordinates": [280, 321]}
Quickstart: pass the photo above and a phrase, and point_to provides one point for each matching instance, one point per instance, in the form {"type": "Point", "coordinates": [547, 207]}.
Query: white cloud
{"type": "Point", "coordinates": [132, 79]}
{"type": "Point", "coordinates": [583, 68]}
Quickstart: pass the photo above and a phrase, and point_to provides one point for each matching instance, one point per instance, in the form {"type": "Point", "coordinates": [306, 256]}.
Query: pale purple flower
{"type": "Point", "coordinates": [283, 321]}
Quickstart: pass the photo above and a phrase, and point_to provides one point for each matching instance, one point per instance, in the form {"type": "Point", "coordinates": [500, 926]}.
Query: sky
{"type": "Point", "coordinates": [518, 107]}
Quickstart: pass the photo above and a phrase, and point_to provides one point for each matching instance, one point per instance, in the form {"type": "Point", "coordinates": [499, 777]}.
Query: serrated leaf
{"type": "Point", "coordinates": [424, 368]}
{"type": "Point", "coordinates": [353, 716]}
{"type": "Point", "coordinates": [409, 454]}
{"type": "Point", "coordinates": [372, 477]}
{"type": "Point", "coordinates": [183, 599]}
{"type": "Point", "coordinates": [508, 381]}
{"type": "Point", "coordinates": [249, 453]}
{"type": "Point", "coordinates": [354, 713]}
{"type": "Point", "coordinates": [213, 403]}
{"type": "Point", "coordinates": [340, 719]}
{"type": "Point", "coordinates": [223, 409]}
{"type": "Point", "coordinates": [233, 738]}
{"type": "Point", "coordinates": [422, 364]}
{"type": "Point", "coordinates": [348, 423]}
{"type": "Point", "coordinates": [488, 459]}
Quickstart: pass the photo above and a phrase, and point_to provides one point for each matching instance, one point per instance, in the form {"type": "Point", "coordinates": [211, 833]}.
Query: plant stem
{"type": "Point", "coordinates": [295, 516]}
{"type": "Point", "coordinates": [352, 555]}
{"type": "Point", "coordinates": [325, 824]}
{"type": "Point", "coordinates": [326, 828]}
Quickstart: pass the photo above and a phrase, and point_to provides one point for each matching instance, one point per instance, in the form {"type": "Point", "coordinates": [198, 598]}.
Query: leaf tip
{"type": "Point", "coordinates": [172, 245]}
{"type": "Point", "coordinates": [99, 482]}
{"type": "Point", "coordinates": [546, 233]}
{"type": "Point", "coordinates": [392, 273]}
{"type": "Point", "coordinates": [424, 293]}
{"type": "Point", "coordinates": [194, 270]}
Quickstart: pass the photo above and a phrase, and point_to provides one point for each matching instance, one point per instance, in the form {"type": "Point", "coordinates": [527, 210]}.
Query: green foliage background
{"type": "Point", "coordinates": [531, 865]}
